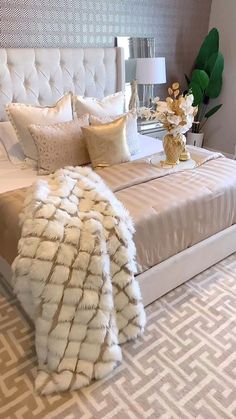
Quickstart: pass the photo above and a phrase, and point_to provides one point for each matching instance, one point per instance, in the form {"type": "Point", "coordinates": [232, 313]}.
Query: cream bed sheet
{"type": "Point", "coordinates": [174, 212]}
{"type": "Point", "coordinates": [21, 176]}
{"type": "Point", "coordinates": [171, 213]}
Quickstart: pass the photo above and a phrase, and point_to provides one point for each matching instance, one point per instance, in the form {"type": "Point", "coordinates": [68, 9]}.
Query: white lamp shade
{"type": "Point", "coordinates": [151, 70]}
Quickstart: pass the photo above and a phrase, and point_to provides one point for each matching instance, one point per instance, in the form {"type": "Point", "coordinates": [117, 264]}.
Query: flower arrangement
{"type": "Point", "coordinates": [176, 113]}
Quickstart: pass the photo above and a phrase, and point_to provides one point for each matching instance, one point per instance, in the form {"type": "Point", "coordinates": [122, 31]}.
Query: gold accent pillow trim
{"type": "Point", "coordinates": [107, 143]}
{"type": "Point", "coordinates": [60, 145]}
{"type": "Point", "coordinates": [22, 115]}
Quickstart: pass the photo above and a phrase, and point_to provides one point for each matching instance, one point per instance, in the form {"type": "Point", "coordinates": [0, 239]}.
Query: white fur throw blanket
{"type": "Point", "coordinates": [74, 275]}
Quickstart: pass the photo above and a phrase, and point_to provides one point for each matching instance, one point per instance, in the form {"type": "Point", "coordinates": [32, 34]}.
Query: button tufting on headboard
{"type": "Point", "coordinates": [41, 76]}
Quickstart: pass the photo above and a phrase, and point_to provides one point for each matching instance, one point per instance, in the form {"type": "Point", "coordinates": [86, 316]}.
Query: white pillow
{"type": "Point", "coordinates": [9, 140]}
{"type": "Point", "coordinates": [21, 116]}
{"type": "Point", "coordinates": [132, 136]}
{"type": "Point", "coordinates": [109, 105]}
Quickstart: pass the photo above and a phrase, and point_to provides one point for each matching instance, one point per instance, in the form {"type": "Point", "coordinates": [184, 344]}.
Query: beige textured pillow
{"type": "Point", "coordinates": [109, 105]}
{"type": "Point", "coordinates": [107, 143]}
{"type": "Point", "coordinates": [21, 116]}
{"type": "Point", "coordinates": [60, 145]}
{"type": "Point", "coordinates": [131, 128]}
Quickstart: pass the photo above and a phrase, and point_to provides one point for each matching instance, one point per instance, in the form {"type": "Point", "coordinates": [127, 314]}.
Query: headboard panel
{"type": "Point", "coordinates": [42, 75]}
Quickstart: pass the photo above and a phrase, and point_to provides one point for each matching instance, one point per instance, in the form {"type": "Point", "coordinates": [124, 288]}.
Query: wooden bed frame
{"type": "Point", "coordinates": [41, 76]}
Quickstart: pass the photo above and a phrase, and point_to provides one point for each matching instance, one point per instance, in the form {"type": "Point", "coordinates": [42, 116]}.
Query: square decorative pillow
{"type": "Point", "coordinates": [21, 116]}
{"type": "Point", "coordinates": [9, 140]}
{"type": "Point", "coordinates": [60, 144]}
{"type": "Point", "coordinates": [109, 105]}
{"type": "Point", "coordinates": [107, 143]}
{"type": "Point", "coordinates": [132, 135]}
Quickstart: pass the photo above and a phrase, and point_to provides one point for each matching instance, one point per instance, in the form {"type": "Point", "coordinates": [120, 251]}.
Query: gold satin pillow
{"type": "Point", "coordinates": [107, 143]}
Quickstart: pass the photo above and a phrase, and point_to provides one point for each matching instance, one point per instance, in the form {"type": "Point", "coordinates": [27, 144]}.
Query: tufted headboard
{"type": "Point", "coordinates": [42, 75]}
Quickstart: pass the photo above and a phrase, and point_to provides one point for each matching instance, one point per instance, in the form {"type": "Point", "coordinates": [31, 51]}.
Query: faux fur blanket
{"type": "Point", "coordinates": [74, 275]}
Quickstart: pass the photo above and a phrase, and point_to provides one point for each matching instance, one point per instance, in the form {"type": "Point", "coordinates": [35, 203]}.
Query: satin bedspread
{"type": "Point", "coordinates": [171, 211]}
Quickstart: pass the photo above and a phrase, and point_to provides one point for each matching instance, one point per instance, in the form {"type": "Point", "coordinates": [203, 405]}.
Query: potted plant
{"type": "Point", "coordinates": [205, 84]}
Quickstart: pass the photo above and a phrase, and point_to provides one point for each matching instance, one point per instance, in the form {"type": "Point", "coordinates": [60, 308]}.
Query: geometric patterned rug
{"type": "Point", "coordinates": [184, 366]}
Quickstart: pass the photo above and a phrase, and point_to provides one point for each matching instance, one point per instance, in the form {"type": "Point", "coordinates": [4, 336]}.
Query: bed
{"type": "Point", "coordinates": [185, 221]}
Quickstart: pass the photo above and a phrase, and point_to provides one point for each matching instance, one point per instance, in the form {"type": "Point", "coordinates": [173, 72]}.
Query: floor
{"type": "Point", "coordinates": [183, 367]}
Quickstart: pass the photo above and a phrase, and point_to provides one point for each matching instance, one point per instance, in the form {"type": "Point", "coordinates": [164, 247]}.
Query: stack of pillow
{"type": "Point", "coordinates": [75, 131]}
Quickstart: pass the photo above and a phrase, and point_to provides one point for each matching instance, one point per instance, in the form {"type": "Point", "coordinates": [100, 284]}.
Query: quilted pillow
{"type": "Point", "coordinates": [132, 135]}
{"type": "Point", "coordinates": [21, 116]}
{"type": "Point", "coordinates": [60, 145]}
{"type": "Point", "coordinates": [107, 143]}
{"type": "Point", "coordinates": [109, 105]}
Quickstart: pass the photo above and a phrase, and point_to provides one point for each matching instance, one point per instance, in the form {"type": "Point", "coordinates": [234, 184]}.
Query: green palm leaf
{"type": "Point", "coordinates": [209, 46]}
{"type": "Point", "coordinates": [212, 111]}
{"type": "Point", "coordinates": [201, 78]}
{"type": "Point", "coordinates": [215, 83]}
{"type": "Point", "coordinates": [197, 92]}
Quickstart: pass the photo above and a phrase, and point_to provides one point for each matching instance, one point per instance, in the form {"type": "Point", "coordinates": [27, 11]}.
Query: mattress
{"type": "Point", "coordinates": [171, 212]}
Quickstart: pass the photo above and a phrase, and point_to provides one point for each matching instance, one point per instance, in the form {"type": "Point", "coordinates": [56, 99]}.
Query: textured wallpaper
{"type": "Point", "coordinates": [178, 25]}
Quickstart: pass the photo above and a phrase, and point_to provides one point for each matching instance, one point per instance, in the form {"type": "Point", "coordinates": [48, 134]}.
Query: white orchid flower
{"type": "Point", "coordinates": [185, 103]}
{"type": "Point", "coordinates": [174, 119]}
{"type": "Point", "coordinates": [161, 106]}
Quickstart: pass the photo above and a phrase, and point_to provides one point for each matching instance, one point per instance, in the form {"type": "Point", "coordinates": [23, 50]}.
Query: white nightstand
{"type": "Point", "coordinates": [151, 128]}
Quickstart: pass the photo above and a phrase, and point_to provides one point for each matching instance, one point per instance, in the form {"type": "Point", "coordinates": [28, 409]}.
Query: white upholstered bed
{"type": "Point", "coordinates": [42, 76]}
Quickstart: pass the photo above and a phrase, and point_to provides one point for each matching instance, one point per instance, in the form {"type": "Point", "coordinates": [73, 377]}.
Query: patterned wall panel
{"type": "Point", "coordinates": [178, 25]}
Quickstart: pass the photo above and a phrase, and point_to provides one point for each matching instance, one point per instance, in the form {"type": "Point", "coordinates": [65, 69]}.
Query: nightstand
{"type": "Point", "coordinates": [151, 128]}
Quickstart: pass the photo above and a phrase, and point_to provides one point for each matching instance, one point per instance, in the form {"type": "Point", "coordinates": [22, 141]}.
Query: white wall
{"type": "Point", "coordinates": [220, 130]}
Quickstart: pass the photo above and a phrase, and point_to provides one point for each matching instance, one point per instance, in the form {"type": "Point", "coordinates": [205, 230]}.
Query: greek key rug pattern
{"type": "Point", "coordinates": [184, 367]}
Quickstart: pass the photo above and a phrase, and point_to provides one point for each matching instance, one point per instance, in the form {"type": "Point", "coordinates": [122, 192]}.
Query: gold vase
{"type": "Point", "coordinates": [173, 147]}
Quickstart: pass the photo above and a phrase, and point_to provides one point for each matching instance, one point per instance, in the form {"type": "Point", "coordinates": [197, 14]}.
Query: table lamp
{"type": "Point", "coordinates": [150, 71]}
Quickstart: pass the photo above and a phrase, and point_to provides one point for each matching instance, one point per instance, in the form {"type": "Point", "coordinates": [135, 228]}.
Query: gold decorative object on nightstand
{"type": "Point", "coordinates": [185, 155]}
{"type": "Point", "coordinates": [134, 99]}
